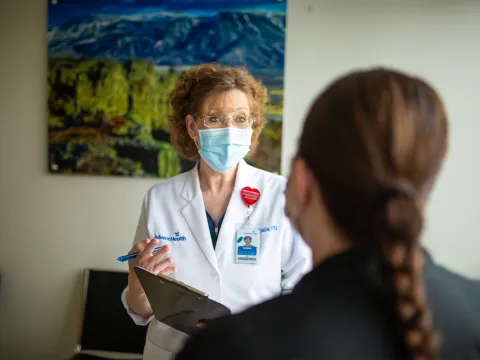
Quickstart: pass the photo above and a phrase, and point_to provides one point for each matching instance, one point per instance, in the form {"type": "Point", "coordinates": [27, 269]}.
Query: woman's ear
{"type": "Point", "coordinates": [191, 127]}
{"type": "Point", "coordinates": [303, 180]}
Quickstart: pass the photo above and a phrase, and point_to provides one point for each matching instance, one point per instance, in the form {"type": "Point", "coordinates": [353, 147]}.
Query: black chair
{"type": "Point", "coordinates": [107, 329]}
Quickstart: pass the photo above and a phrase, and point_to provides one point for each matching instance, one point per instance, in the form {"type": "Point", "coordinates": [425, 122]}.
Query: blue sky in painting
{"type": "Point", "coordinates": [67, 10]}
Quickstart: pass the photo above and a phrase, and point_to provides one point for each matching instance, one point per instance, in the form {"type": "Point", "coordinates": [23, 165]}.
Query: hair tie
{"type": "Point", "coordinates": [380, 202]}
{"type": "Point", "coordinates": [405, 191]}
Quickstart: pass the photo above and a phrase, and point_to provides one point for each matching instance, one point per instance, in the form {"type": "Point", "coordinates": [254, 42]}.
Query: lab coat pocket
{"type": "Point", "coordinates": [164, 338]}
{"type": "Point", "coordinates": [154, 352]}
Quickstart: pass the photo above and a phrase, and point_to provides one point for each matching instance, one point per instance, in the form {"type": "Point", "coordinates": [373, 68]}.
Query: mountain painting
{"type": "Point", "coordinates": [113, 63]}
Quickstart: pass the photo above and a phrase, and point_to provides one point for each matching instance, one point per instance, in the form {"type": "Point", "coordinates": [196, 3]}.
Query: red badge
{"type": "Point", "coordinates": [250, 196]}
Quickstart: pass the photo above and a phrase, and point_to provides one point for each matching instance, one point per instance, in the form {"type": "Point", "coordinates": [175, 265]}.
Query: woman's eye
{"type": "Point", "coordinates": [240, 119]}
{"type": "Point", "coordinates": [214, 119]}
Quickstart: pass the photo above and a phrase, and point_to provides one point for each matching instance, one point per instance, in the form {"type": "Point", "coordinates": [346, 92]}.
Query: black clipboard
{"type": "Point", "coordinates": [176, 304]}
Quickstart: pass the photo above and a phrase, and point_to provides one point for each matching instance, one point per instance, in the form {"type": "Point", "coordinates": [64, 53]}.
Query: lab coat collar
{"type": "Point", "coordinates": [194, 214]}
{"type": "Point", "coordinates": [236, 211]}
{"type": "Point", "coordinates": [192, 184]}
{"type": "Point", "coordinates": [243, 176]}
{"type": "Point", "coordinates": [194, 211]}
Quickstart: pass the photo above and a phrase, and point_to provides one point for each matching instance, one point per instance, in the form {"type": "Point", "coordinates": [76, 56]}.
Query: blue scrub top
{"type": "Point", "coordinates": [211, 226]}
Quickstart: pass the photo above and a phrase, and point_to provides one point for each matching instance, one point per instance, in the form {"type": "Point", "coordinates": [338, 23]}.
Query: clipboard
{"type": "Point", "coordinates": [176, 304]}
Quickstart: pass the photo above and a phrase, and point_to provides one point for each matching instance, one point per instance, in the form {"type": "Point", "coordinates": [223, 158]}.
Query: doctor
{"type": "Point", "coordinates": [200, 216]}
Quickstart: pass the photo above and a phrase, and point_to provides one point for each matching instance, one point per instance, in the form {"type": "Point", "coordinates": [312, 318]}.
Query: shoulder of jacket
{"type": "Point", "coordinates": [168, 186]}
{"type": "Point", "coordinates": [440, 272]}
{"type": "Point", "coordinates": [269, 177]}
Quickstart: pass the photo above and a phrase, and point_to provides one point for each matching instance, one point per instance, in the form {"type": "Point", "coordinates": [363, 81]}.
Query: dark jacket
{"type": "Point", "coordinates": [339, 312]}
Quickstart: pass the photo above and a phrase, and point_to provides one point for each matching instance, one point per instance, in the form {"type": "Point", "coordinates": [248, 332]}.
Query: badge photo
{"type": "Point", "coordinates": [247, 247]}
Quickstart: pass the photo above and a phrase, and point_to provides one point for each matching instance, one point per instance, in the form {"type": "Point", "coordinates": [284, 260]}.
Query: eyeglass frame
{"type": "Point", "coordinates": [224, 120]}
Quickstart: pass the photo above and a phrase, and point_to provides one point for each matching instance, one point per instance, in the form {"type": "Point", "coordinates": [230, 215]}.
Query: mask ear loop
{"type": "Point", "coordinates": [194, 138]}
{"type": "Point", "coordinates": [195, 142]}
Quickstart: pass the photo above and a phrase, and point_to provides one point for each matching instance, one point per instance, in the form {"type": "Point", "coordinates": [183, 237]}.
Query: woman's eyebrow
{"type": "Point", "coordinates": [238, 108]}
{"type": "Point", "coordinates": [217, 112]}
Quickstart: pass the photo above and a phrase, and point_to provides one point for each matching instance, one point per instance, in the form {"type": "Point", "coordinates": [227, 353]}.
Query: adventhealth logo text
{"type": "Point", "coordinates": [177, 237]}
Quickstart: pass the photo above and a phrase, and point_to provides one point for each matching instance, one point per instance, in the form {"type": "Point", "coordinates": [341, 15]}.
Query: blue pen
{"type": "Point", "coordinates": [134, 255]}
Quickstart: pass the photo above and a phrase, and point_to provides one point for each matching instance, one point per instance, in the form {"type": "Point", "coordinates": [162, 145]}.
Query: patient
{"type": "Point", "coordinates": [371, 149]}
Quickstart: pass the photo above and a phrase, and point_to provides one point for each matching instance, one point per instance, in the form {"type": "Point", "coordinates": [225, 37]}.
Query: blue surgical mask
{"type": "Point", "coordinates": [224, 148]}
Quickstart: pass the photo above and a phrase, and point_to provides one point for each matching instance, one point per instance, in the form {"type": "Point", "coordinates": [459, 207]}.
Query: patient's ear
{"type": "Point", "coordinates": [302, 180]}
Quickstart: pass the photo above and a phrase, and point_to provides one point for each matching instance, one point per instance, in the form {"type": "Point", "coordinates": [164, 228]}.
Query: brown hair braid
{"type": "Point", "coordinates": [370, 132]}
{"type": "Point", "coordinates": [399, 231]}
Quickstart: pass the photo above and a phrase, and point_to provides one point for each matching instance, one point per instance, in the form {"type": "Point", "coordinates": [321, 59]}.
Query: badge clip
{"type": "Point", "coordinates": [250, 196]}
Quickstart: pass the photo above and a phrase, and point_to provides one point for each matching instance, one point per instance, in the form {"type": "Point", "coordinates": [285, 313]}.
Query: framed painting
{"type": "Point", "coordinates": [113, 63]}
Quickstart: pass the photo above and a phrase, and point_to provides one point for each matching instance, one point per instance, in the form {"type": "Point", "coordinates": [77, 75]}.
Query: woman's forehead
{"type": "Point", "coordinates": [228, 101]}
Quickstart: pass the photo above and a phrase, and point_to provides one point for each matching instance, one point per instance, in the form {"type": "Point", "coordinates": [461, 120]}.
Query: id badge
{"type": "Point", "coordinates": [247, 246]}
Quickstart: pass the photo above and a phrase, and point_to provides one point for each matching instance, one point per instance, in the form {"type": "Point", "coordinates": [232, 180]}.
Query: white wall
{"type": "Point", "coordinates": [53, 226]}
{"type": "Point", "coordinates": [438, 40]}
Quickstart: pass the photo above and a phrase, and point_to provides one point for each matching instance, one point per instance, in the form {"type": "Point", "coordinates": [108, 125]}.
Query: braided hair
{"type": "Point", "coordinates": [399, 227]}
{"type": "Point", "coordinates": [374, 140]}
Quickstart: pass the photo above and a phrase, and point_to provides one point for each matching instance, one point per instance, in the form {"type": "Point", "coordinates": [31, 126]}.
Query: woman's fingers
{"type": "Point", "coordinates": [169, 270]}
{"type": "Point", "coordinates": [201, 324]}
{"type": "Point", "coordinates": [160, 254]}
{"type": "Point", "coordinates": [154, 262]}
{"type": "Point", "coordinates": [139, 246]}
{"type": "Point", "coordinates": [146, 254]}
{"type": "Point", "coordinates": [161, 266]}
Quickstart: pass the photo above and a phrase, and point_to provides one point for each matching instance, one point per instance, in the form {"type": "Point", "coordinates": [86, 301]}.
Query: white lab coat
{"type": "Point", "coordinates": [174, 211]}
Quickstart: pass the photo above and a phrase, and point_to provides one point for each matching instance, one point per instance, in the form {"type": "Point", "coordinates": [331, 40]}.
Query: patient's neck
{"type": "Point", "coordinates": [325, 243]}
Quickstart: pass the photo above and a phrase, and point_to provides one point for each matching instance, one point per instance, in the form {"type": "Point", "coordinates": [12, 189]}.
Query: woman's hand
{"type": "Point", "coordinates": [202, 324]}
{"type": "Point", "coordinates": [156, 263]}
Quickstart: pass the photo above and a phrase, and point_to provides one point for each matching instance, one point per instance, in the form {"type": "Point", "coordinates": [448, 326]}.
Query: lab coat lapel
{"type": "Point", "coordinates": [236, 211]}
{"type": "Point", "coordinates": [194, 213]}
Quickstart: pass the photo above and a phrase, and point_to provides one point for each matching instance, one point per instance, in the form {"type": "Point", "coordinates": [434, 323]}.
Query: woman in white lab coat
{"type": "Point", "coordinates": [217, 116]}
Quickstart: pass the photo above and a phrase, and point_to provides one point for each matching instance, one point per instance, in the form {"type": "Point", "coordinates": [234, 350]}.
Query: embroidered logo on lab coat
{"type": "Point", "coordinates": [177, 237]}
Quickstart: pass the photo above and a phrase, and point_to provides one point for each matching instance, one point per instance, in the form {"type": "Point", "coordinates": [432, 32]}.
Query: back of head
{"type": "Point", "coordinates": [374, 141]}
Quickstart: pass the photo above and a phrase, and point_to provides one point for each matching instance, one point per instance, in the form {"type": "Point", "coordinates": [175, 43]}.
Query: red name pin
{"type": "Point", "coordinates": [250, 196]}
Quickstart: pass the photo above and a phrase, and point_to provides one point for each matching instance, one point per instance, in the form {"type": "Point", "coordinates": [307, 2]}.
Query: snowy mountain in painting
{"type": "Point", "coordinates": [254, 39]}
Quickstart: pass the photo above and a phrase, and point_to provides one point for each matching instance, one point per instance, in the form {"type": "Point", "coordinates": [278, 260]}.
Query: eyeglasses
{"type": "Point", "coordinates": [238, 121]}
